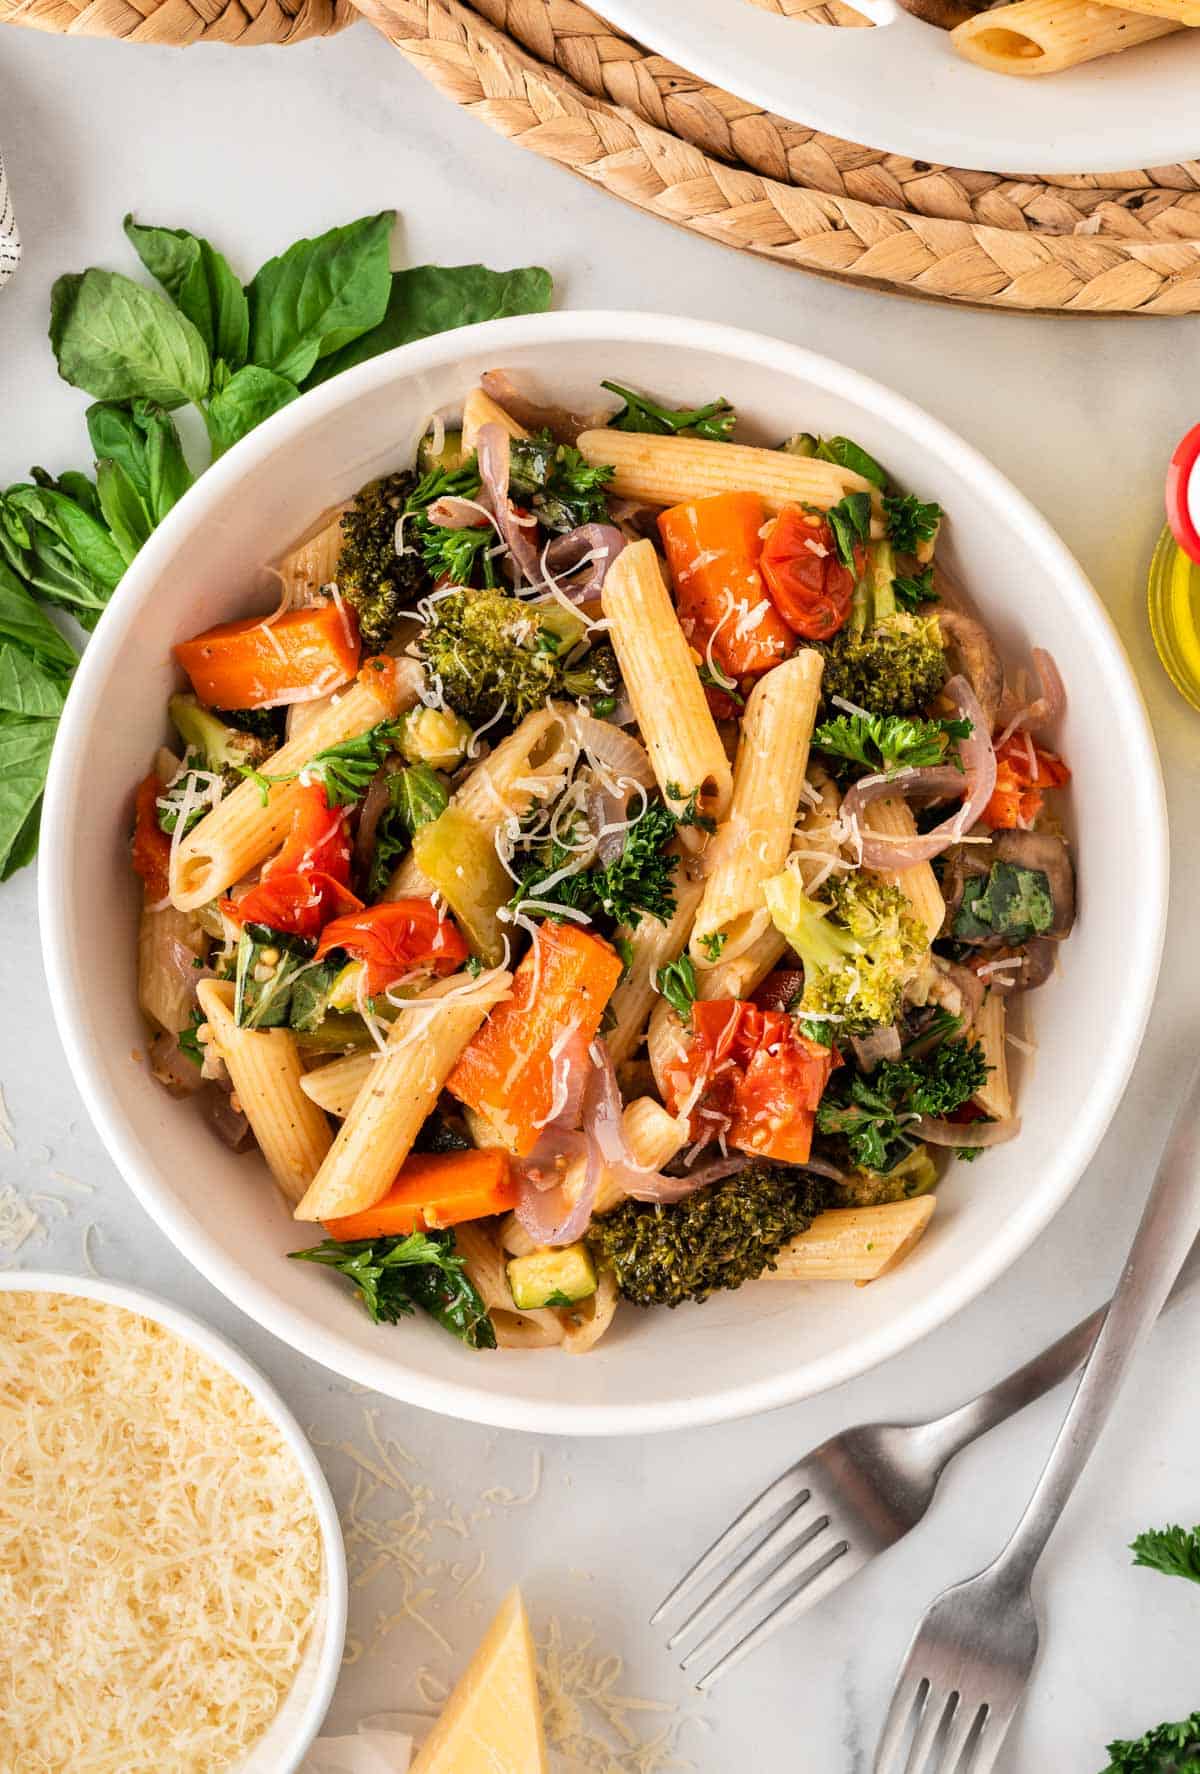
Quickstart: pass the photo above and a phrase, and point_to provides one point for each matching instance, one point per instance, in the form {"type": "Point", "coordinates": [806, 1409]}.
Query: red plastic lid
{"type": "Point", "coordinates": [1183, 494]}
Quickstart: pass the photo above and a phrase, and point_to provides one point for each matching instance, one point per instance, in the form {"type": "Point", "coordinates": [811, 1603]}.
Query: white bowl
{"type": "Point", "coordinates": [295, 1725]}
{"type": "Point", "coordinates": [667, 1369]}
{"type": "Point", "coordinates": [905, 88]}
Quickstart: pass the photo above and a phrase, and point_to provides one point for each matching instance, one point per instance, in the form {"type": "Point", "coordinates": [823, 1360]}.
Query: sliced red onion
{"type": "Point", "coordinates": [614, 754]}
{"type": "Point", "coordinates": [230, 1124]}
{"type": "Point", "coordinates": [172, 1068]}
{"type": "Point", "coordinates": [978, 778]}
{"type": "Point", "coordinates": [563, 425]}
{"type": "Point", "coordinates": [964, 1133]}
{"type": "Point", "coordinates": [1047, 707]}
{"type": "Point", "coordinates": [595, 546]}
{"type": "Point", "coordinates": [452, 513]}
{"type": "Point", "coordinates": [519, 536]}
{"type": "Point", "coordinates": [823, 1168]}
{"type": "Point", "coordinates": [880, 1044]}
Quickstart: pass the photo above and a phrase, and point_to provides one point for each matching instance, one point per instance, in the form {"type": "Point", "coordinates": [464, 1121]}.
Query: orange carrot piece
{"type": "Point", "coordinates": [251, 663]}
{"type": "Point", "coordinates": [713, 548]}
{"type": "Point", "coordinates": [506, 1073]}
{"type": "Point", "coordinates": [432, 1190]}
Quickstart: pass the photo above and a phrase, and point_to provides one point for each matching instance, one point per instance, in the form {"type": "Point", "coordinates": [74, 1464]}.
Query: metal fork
{"type": "Point", "coordinates": [847, 1501]}
{"type": "Point", "coordinates": [973, 1653]}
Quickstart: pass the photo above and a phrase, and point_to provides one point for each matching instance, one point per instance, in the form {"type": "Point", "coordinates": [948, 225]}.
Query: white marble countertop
{"type": "Point", "coordinates": [254, 147]}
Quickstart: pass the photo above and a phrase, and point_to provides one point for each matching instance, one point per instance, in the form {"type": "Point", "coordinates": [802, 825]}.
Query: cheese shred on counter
{"type": "Point", "coordinates": [160, 1557]}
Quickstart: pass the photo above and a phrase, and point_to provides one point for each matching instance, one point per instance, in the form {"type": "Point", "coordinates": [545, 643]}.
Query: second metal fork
{"type": "Point", "coordinates": [843, 1504]}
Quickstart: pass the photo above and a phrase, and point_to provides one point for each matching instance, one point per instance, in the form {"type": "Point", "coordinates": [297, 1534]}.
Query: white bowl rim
{"type": "Point", "coordinates": [219, 1349]}
{"type": "Point", "coordinates": [390, 1373]}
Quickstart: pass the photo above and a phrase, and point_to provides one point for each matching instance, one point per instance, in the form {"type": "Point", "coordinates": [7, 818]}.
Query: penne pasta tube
{"type": "Point", "coordinates": [479, 409]}
{"type": "Point", "coordinates": [674, 470]}
{"type": "Point", "coordinates": [313, 562]}
{"type": "Point", "coordinates": [168, 942]}
{"type": "Point", "coordinates": [892, 817]}
{"type": "Point", "coordinates": [1035, 37]}
{"type": "Point", "coordinates": [333, 1087]}
{"type": "Point", "coordinates": [652, 945]}
{"type": "Point", "coordinates": [990, 1029]}
{"type": "Point", "coordinates": [663, 684]}
{"type": "Point", "coordinates": [665, 1045]}
{"type": "Point", "coordinates": [854, 1243]}
{"type": "Point", "coordinates": [264, 1066]}
{"type": "Point", "coordinates": [240, 832]}
{"type": "Point", "coordinates": [395, 1100]}
{"type": "Point", "coordinates": [526, 766]}
{"type": "Point", "coordinates": [768, 779]}
{"type": "Point", "coordinates": [585, 1324]}
{"type": "Point", "coordinates": [737, 978]}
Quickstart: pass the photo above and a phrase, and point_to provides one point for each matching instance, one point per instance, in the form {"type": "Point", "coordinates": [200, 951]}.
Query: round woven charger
{"type": "Point", "coordinates": [554, 77]}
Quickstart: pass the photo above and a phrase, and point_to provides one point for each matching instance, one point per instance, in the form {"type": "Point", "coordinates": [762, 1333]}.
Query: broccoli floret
{"type": "Point", "coordinates": [720, 1236]}
{"type": "Point", "coordinates": [491, 653]}
{"type": "Point", "coordinates": [894, 667]}
{"type": "Point", "coordinates": [380, 584]}
{"type": "Point", "coordinates": [211, 745]}
{"type": "Point", "coordinates": [860, 945]}
{"type": "Point", "coordinates": [915, 1174]}
{"type": "Point", "coordinates": [267, 724]}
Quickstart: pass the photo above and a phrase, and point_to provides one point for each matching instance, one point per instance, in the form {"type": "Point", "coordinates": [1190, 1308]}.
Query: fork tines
{"type": "Point", "coordinates": [785, 1546]}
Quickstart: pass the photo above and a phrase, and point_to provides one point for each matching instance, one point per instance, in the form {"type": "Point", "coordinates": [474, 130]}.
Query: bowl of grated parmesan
{"type": "Point", "coordinates": [170, 1554]}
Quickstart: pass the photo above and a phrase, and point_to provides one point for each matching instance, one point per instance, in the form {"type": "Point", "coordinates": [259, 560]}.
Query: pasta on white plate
{"type": "Point", "coordinates": [633, 911]}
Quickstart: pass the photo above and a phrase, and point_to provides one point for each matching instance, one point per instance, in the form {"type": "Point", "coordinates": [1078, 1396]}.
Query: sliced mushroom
{"type": "Point", "coordinates": [1049, 853]}
{"type": "Point", "coordinates": [972, 653]}
{"type": "Point", "coordinates": [943, 13]}
{"type": "Point", "coordinates": [957, 989]}
{"type": "Point", "coordinates": [964, 863]}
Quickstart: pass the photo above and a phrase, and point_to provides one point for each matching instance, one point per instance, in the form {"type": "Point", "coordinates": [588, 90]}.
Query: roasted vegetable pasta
{"type": "Point", "coordinates": [610, 875]}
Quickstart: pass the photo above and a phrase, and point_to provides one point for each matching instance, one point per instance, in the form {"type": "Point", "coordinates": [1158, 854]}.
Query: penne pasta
{"type": "Point", "coordinates": [484, 1262]}
{"type": "Point", "coordinates": [892, 817]}
{"type": "Point", "coordinates": [394, 1101]}
{"type": "Point", "coordinates": [168, 942]}
{"type": "Point", "coordinates": [313, 562]}
{"type": "Point", "coordinates": [663, 684]}
{"type": "Point", "coordinates": [768, 779]}
{"type": "Point", "coordinates": [333, 1087]}
{"type": "Point", "coordinates": [264, 1066]}
{"type": "Point", "coordinates": [652, 945]}
{"type": "Point", "coordinates": [241, 832]}
{"type": "Point", "coordinates": [989, 1029]}
{"type": "Point", "coordinates": [479, 409]}
{"type": "Point", "coordinates": [671, 470]}
{"type": "Point", "coordinates": [1036, 37]}
{"type": "Point", "coordinates": [854, 1243]}
{"type": "Point", "coordinates": [665, 1044]}
{"type": "Point", "coordinates": [585, 1324]}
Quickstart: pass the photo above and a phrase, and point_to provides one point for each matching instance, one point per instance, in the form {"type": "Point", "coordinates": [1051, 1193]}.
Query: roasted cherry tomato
{"type": "Point", "coordinates": [1023, 773]}
{"type": "Point", "coordinates": [806, 582]}
{"type": "Point", "coordinates": [307, 882]}
{"type": "Point", "coordinates": [762, 1078]}
{"type": "Point", "coordinates": [151, 845]}
{"type": "Point", "coordinates": [395, 938]}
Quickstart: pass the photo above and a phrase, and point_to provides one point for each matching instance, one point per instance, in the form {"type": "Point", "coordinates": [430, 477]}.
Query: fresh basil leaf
{"type": "Point", "coordinates": [309, 1003]}
{"type": "Point", "coordinates": [266, 1003]}
{"type": "Point", "coordinates": [200, 283]}
{"type": "Point", "coordinates": [430, 299]}
{"type": "Point", "coordinates": [319, 295]}
{"type": "Point", "coordinates": [23, 622]}
{"type": "Point", "coordinates": [78, 487]}
{"type": "Point", "coordinates": [123, 508]}
{"type": "Point", "coordinates": [847, 454]}
{"type": "Point", "coordinates": [117, 340]}
{"type": "Point", "coordinates": [27, 688]}
{"type": "Point", "coordinates": [25, 746]}
{"type": "Point", "coordinates": [70, 558]}
{"type": "Point", "coordinates": [248, 398]}
{"type": "Point", "coordinates": [142, 438]}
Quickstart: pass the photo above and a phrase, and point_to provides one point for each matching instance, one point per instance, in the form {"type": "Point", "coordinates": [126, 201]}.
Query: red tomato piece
{"type": "Point", "coordinates": [393, 939]}
{"type": "Point", "coordinates": [151, 846]}
{"type": "Point", "coordinates": [307, 882]}
{"type": "Point", "coordinates": [763, 1079]}
{"type": "Point", "coordinates": [1023, 773]}
{"type": "Point", "coordinates": [807, 583]}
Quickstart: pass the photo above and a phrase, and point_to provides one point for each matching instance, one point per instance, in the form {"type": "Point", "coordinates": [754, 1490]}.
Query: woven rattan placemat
{"type": "Point", "coordinates": [556, 78]}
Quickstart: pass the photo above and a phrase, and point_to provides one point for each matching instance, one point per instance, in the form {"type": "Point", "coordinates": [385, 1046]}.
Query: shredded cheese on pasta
{"type": "Point", "coordinates": [160, 1558]}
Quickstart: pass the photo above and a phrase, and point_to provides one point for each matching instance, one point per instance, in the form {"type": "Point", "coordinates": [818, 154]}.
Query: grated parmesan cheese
{"type": "Point", "coordinates": [160, 1559]}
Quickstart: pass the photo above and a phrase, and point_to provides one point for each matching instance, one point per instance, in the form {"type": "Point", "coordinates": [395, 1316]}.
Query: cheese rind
{"type": "Point", "coordinates": [492, 1722]}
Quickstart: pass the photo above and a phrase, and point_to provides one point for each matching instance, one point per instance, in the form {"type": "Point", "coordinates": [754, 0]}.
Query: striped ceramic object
{"type": "Point", "coordinates": [10, 239]}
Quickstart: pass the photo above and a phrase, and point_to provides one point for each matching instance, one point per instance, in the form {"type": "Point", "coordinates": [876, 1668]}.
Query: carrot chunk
{"type": "Point", "coordinates": [432, 1190]}
{"type": "Point", "coordinates": [254, 663]}
{"type": "Point", "coordinates": [713, 548]}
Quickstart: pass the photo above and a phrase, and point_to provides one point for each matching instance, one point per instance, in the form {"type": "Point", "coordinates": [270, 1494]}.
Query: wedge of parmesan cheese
{"type": "Point", "coordinates": [492, 1723]}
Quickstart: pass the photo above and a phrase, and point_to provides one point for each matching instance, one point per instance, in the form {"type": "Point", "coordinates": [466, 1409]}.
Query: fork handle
{"type": "Point", "coordinates": [1169, 1225]}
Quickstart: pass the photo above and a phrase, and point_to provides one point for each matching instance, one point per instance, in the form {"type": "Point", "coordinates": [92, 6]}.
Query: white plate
{"type": "Point", "coordinates": [295, 1725]}
{"type": "Point", "coordinates": [902, 87]}
{"type": "Point", "coordinates": [767, 1344]}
